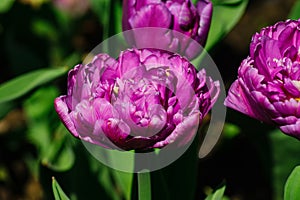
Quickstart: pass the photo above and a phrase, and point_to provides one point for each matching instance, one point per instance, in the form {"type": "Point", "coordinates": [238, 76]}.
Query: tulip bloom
{"type": "Point", "coordinates": [178, 15]}
{"type": "Point", "coordinates": [268, 84]}
{"type": "Point", "coordinates": [146, 99]}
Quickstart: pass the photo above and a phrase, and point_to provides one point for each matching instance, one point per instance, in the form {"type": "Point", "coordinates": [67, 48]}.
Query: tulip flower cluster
{"type": "Point", "coordinates": [150, 98]}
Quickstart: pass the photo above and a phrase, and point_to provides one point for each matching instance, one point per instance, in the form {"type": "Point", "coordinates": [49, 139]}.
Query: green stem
{"type": "Point", "coordinates": [144, 185]}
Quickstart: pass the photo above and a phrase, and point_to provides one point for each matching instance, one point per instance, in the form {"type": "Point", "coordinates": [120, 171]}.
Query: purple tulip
{"type": "Point", "coordinates": [178, 15]}
{"type": "Point", "coordinates": [145, 99]}
{"type": "Point", "coordinates": [268, 84]}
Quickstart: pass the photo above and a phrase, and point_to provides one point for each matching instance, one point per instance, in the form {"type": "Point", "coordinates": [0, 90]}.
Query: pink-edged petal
{"type": "Point", "coordinates": [205, 9]}
{"type": "Point", "coordinates": [153, 15]}
{"type": "Point", "coordinates": [117, 131]}
{"type": "Point", "coordinates": [289, 107]}
{"type": "Point", "coordinates": [264, 108]}
{"type": "Point", "coordinates": [141, 3]}
{"type": "Point", "coordinates": [63, 113]}
{"type": "Point", "coordinates": [186, 17]}
{"type": "Point", "coordinates": [72, 78]}
{"type": "Point", "coordinates": [236, 99]}
{"type": "Point", "coordinates": [129, 62]}
{"type": "Point", "coordinates": [286, 120]}
{"type": "Point", "coordinates": [128, 10]}
{"type": "Point", "coordinates": [264, 54]}
{"type": "Point", "coordinates": [183, 133]}
{"type": "Point", "coordinates": [292, 129]}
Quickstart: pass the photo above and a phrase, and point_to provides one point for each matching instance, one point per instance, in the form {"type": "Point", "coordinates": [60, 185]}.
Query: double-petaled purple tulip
{"type": "Point", "coordinates": [268, 84]}
{"type": "Point", "coordinates": [178, 15]}
{"type": "Point", "coordinates": [145, 99]}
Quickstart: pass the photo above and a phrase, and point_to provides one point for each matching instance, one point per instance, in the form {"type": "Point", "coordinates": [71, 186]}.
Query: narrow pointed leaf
{"type": "Point", "coordinates": [22, 84]}
{"type": "Point", "coordinates": [57, 191]}
{"type": "Point", "coordinates": [217, 195]}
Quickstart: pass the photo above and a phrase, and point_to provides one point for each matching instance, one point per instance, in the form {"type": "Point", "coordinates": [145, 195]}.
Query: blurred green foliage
{"type": "Point", "coordinates": [218, 194]}
{"type": "Point", "coordinates": [292, 187]}
{"type": "Point", "coordinates": [285, 151]}
{"type": "Point", "coordinates": [295, 12]}
{"type": "Point", "coordinates": [5, 5]}
{"type": "Point", "coordinates": [226, 13]}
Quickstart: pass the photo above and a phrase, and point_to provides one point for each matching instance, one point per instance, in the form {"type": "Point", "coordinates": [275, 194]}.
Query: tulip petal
{"type": "Point", "coordinates": [63, 113]}
{"type": "Point", "coordinates": [292, 129]}
{"type": "Point", "coordinates": [153, 15]}
{"type": "Point", "coordinates": [236, 99]}
{"type": "Point", "coordinates": [205, 9]}
{"type": "Point", "coordinates": [288, 108]}
{"type": "Point", "coordinates": [183, 133]}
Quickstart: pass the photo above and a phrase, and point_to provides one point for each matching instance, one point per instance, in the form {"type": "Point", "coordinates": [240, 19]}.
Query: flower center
{"type": "Point", "coordinates": [138, 102]}
{"type": "Point", "coordinates": [286, 82]}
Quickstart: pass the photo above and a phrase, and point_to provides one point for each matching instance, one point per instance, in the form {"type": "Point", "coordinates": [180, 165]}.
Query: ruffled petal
{"type": "Point", "coordinates": [153, 15]}
{"type": "Point", "coordinates": [183, 133]}
{"type": "Point", "coordinates": [63, 113]}
{"type": "Point", "coordinates": [205, 9]}
{"type": "Point", "coordinates": [292, 129]}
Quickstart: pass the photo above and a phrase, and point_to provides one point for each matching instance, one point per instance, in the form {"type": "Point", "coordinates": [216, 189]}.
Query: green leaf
{"type": "Point", "coordinates": [292, 186]}
{"type": "Point", "coordinates": [102, 9]}
{"type": "Point", "coordinates": [217, 195]}
{"type": "Point", "coordinates": [226, 2]}
{"type": "Point", "coordinates": [144, 185]}
{"type": "Point", "coordinates": [40, 135]}
{"type": "Point", "coordinates": [221, 1]}
{"type": "Point", "coordinates": [57, 191]}
{"type": "Point", "coordinates": [226, 13]}
{"type": "Point", "coordinates": [60, 155]}
{"type": "Point", "coordinates": [107, 182]}
{"type": "Point", "coordinates": [5, 5]}
{"type": "Point", "coordinates": [64, 161]}
{"type": "Point", "coordinates": [295, 12]}
{"type": "Point", "coordinates": [21, 85]}
{"type": "Point", "coordinates": [5, 108]}
{"type": "Point", "coordinates": [54, 149]}
{"type": "Point", "coordinates": [285, 156]}
{"type": "Point", "coordinates": [124, 181]}
{"type": "Point", "coordinates": [40, 103]}
{"type": "Point", "coordinates": [44, 29]}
